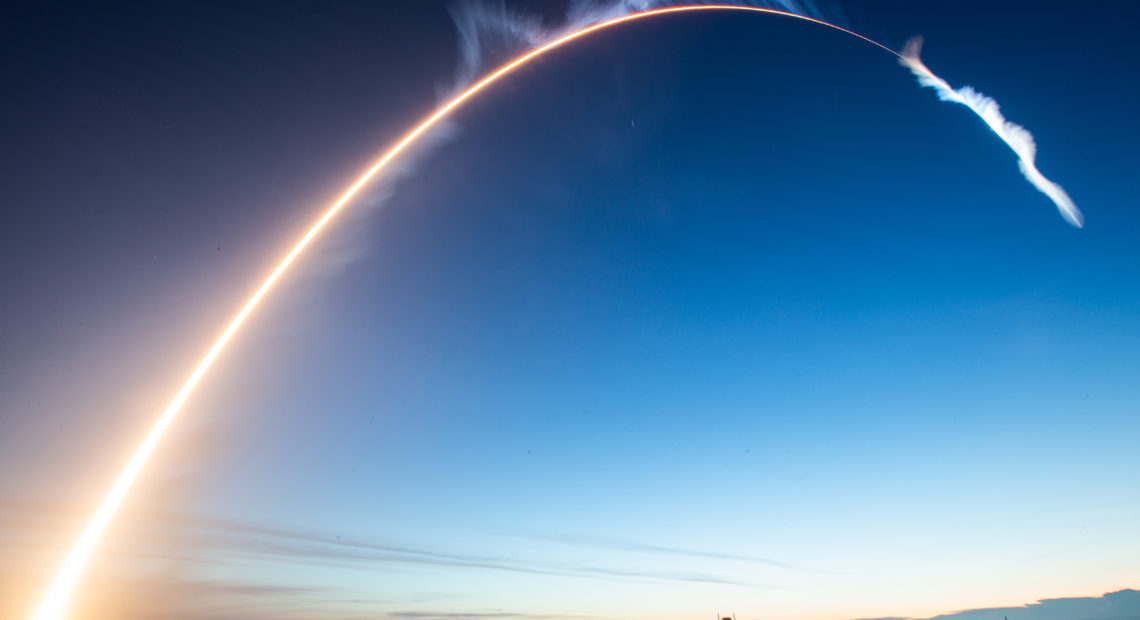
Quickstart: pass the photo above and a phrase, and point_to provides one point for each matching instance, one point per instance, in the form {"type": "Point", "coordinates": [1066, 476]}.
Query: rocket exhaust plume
{"type": "Point", "coordinates": [1017, 137]}
{"type": "Point", "coordinates": [591, 16]}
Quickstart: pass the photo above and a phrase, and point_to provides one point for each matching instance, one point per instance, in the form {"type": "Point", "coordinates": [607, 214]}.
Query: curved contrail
{"type": "Point", "coordinates": [55, 602]}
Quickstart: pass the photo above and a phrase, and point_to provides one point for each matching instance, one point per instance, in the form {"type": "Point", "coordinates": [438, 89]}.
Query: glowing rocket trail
{"type": "Point", "coordinates": [1017, 137]}
{"type": "Point", "coordinates": [55, 602]}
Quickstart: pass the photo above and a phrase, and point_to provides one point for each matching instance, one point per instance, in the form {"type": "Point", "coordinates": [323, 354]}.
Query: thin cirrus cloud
{"type": "Point", "coordinates": [248, 540]}
{"type": "Point", "coordinates": [192, 551]}
{"type": "Point", "coordinates": [603, 542]}
{"type": "Point", "coordinates": [220, 541]}
{"type": "Point", "coordinates": [191, 542]}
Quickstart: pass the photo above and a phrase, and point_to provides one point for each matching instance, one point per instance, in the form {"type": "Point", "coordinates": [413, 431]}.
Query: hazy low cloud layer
{"type": "Point", "coordinates": [491, 615]}
{"type": "Point", "coordinates": [1122, 605]}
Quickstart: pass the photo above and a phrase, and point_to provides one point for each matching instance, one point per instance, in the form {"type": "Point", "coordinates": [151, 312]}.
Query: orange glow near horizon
{"type": "Point", "coordinates": [55, 602]}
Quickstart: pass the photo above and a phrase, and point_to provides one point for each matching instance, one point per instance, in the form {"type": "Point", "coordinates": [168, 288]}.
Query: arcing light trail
{"type": "Point", "coordinates": [54, 605]}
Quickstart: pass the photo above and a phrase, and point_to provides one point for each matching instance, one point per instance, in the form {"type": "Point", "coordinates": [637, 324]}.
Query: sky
{"type": "Point", "coordinates": [705, 314]}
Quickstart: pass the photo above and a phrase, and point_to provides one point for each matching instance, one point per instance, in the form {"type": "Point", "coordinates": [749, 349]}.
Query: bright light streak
{"type": "Point", "coordinates": [54, 605]}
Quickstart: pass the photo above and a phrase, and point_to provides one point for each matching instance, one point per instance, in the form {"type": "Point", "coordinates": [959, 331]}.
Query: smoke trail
{"type": "Point", "coordinates": [489, 28]}
{"type": "Point", "coordinates": [1017, 137]}
{"type": "Point", "coordinates": [486, 26]}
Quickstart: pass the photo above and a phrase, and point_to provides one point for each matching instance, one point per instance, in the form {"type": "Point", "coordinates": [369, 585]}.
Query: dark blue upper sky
{"type": "Point", "coordinates": [700, 286]}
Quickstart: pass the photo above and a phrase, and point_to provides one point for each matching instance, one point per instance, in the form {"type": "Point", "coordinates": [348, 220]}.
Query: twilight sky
{"type": "Point", "coordinates": [706, 313]}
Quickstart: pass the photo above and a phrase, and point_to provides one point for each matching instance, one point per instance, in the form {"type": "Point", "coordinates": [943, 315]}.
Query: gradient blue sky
{"type": "Point", "coordinates": [706, 313]}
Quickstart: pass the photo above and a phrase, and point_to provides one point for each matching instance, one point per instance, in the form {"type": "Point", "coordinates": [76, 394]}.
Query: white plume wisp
{"type": "Point", "coordinates": [490, 28]}
{"type": "Point", "coordinates": [1017, 137]}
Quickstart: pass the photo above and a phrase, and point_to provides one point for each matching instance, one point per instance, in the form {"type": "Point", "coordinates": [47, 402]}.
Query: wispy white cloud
{"type": "Point", "coordinates": [1017, 137]}
{"type": "Point", "coordinates": [223, 541]}
{"type": "Point", "coordinates": [488, 28]}
{"type": "Point", "coordinates": [642, 547]}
